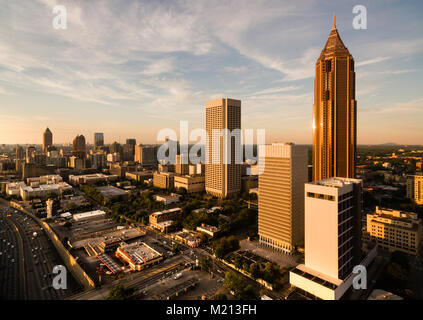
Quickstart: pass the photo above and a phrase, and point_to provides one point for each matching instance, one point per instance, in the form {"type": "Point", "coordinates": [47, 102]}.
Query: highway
{"type": "Point", "coordinates": [11, 284]}
{"type": "Point", "coordinates": [29, 275]}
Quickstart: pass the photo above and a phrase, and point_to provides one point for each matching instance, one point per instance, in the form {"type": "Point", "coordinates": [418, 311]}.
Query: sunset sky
{"type": "Point", "coordinates": [130, 68]}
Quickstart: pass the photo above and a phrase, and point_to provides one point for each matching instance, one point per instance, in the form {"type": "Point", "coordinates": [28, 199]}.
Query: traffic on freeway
{"type": "Point", "coordinates": [27, 260]}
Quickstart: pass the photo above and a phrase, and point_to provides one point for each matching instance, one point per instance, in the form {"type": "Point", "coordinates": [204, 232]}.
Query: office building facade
{"type": "Point", "coordinates": [281, 195]}
{"type": "Point", "coordinates": [415, 188]}
{"type": "Point", "coordinates": [223, 147]}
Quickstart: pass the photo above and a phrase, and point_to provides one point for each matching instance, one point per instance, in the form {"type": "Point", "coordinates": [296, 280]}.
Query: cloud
{"type": "Point", "coordinates": [235, 69]}
{"type": "Point", "coordinates": [163, 59]}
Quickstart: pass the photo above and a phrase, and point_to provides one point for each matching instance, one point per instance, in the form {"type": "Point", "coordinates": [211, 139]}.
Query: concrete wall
{"type": "Point", "coordinates": [70, 262]}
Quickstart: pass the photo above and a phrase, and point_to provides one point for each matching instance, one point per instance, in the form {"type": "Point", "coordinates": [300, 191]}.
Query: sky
{"type": "Point", "coordinates": [131, 68]}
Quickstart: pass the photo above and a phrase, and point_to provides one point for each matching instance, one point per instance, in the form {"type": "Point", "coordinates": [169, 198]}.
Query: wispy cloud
{"type": "Point", "coordinates": [159, 61]}
{"type": "Point", "coordinates": [371, 61]}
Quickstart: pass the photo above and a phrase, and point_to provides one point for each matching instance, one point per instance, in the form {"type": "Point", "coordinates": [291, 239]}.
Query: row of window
{"type": "Point", "coordinates": [320, 196]}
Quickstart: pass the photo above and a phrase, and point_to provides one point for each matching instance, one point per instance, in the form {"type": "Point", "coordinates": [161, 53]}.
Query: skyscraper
{"type": "Point", "coordinates": [145, 155]}
{"type": "Point", "coordinates": [415, 188]}
{"type": "Point", "coordinates": [281, 200]}
{"type": "Point", "coordinates": [98, 140]}
{"type": "Point", "coordinates": [131, 142]}
{"type": "Point", "coordinates": [47, 140]}
{"type": "Point", "coordinates": [20, 154]}
{"type": "Point", "coordinates": [30, 154]}
{"type": "Point", "coordinates": [334, 111]}
{"type": "Point", "coordinates": [333, 209]}
{"type": "Point", "coordinates": [115, 147]}
{"type": "Point", "coordinates": [223, 147]}
{"type": "Point", "coordinates": [79, 147]}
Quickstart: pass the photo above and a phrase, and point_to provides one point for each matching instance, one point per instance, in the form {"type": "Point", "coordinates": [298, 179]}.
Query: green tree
{"type": "Point", "coordinates": [205, 264]}
{"type": "Point", "coordinates": [255, 270]}
{"type": "Point", "coordinates": [120, 293]}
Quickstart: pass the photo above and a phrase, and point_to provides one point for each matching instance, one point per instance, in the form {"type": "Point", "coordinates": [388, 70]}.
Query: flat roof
{"type": "Point", "coordinates": [167, 211]}
{"type": "Point", "coordinates": [140, 252]}
{"type": "Point", "coordinates": [88, 214]}
{"type": "Point", "coordinates": [110, 191]}
{"type": "Point", "coordinates": [336, 182]}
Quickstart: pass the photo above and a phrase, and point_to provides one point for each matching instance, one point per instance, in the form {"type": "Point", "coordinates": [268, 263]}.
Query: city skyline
{"type": "Point", "coordinates": [143, 83]}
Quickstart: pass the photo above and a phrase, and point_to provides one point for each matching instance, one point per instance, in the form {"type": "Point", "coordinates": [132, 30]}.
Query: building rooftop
{"type": "Point", "coordinates": [111, 191]}
{"type": "Point", "coordinates": [140, 252]}
{"type": "Point", "coordinates": [88, 214]}
{"type": "Point", "coordinates": [167, 211]}
{"type": "Point", "coordinates": [335, 182]}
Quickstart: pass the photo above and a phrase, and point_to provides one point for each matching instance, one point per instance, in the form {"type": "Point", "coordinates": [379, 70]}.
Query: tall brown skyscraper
{"type": "Point", "coordinates": [334, 111]}
{"type": "Point", "coordinates": [47, 140]}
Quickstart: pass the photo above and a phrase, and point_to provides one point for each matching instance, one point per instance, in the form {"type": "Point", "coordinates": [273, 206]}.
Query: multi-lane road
{"type": "Point", "coordinates": [27, 259]}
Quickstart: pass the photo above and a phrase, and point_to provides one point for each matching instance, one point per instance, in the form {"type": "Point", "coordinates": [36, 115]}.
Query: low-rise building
{"type": "Point", "coordinates": [188, 237]}
{"type": "Point", "coordinates": [173, 198]}
{"type": "Point", "coordinates": [71, 201]}
{"type": "Point", "coordinates": [48, 179]}
{"type": "Point", "coordinates": [112, 193]}
{"type": "Point", "coordinates": [395, 230]}
{"type": "Point", "coordinates": [41, 191]}
{"type": "Point", "coordinates": [14, 188]}
{"type": "Point", "coordinates": [164, 220]}
{"type": "Point", "coordinates": [190, 183]}
{"type": "Point", "coordinates": [163, 180]}
{"type": "Point", "coordinates": [91, 178]}
{"type": "Point", "coordinates": [88, 215]}
{"type": "Point", "coordinates": [138, 255]}
{"type": "Point", "coordinates": [139, 176]}
{"type": "Point", "coordinates": [212, 231]}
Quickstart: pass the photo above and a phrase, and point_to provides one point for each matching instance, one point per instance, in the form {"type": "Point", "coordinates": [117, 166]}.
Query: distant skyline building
{"type": "Point", "coordinates": [98, 140]}
{"type": "Point", "coordinates": [79, 147]}
{"type": "Point", "coordinates": [146, 154]}
{"type": "Point", "coordinates": [223, 173]}
{"type": "Point", "coordinates": [334, 111]}
{"type": "Point", "coordinates": [115, 147]}
{"type": "Point", "coordinates": [281, 195]}
{"type": "Point", "coordinates": [47, 140]}
{"type": "Point", "coordinates": [30, 154]}
{"type": "Point", "coordinates": [20, 153]}
{"type": "Point", "coordinates": [131, 142]}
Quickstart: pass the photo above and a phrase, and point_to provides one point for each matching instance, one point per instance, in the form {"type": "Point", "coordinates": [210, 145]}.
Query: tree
{"type": "Point", "coordinates": [205, 264]}
{"type": "Point", "coordinates": [255, 270]}
{"type": "Point", "coordinates": [220, 296]}
{"type": "Point", "coordinates": [120, 293]}
{"type": "Point", "coordinates": [237, 284]}
{"type": "Point", "coordinates": [225, 245]}
{"type": "Point", "coordinates": [176, 249]}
